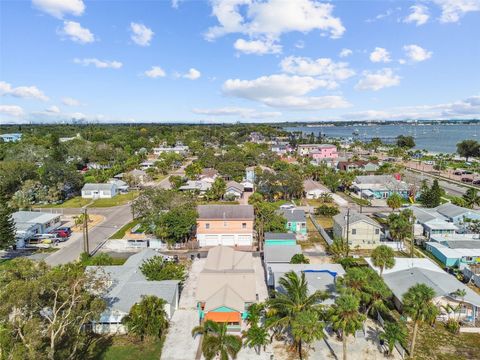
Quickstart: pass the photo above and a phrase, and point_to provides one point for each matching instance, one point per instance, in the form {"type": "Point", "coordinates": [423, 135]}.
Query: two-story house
{"type": "Point", "coordinates": [362, 232]}
{"type": "Point", "coordinates": [229, 225]}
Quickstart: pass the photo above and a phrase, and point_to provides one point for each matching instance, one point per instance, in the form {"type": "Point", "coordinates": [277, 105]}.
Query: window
{"type": "Point", "coordinates": [207, 226]}
{"type": "Point", "coordinates": [354, 231]}
{"type": "Point", "coordinates": [244, 225]}
{"type": "Point", "coordinates": [377, 231]}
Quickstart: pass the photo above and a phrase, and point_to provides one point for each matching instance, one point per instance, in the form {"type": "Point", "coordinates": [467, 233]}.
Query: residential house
{"type": "Point", "coordinates": [99, 191]}
{"type": "Point", "coordinates": [380, 186]}
{"type": "Point", "coordinates": [209, 175]}
{"type": "Point", "coordinates": [457, 250]}
{"type": "Point", "coordinates": [362, 231]}
{"type": "Point", "coordinates": [226, 287]}
{"type": "Point", "coordinates": [234, 189]}
{"type": "Point", "coordinates": [281, 148]}
{"type": "Point", "coordinates": [139, 176]}
{"type": "Point", "coordinates": [287, 239]}
{"type": "Point", "coordinates": [177, 149]}
{"type": "Point", "coordinates": [121, 185]}
{"type": "Point", "coordinates": [127, 285]}
{"type": "Point", "coordinates": [313, 189]}
{"type": "Point", "coordinates": [199, 186]}
{"type": "Point", "coordinates": [229, 225]}
{"type": "Point", "coordinates": [362, 165]}
{"type": "Point", "coordinates": [250, 174]}
{"type": "Point", "coordinates": [149, 164]}
{"type": "Point", "coordinates": [14, 137]}
{"type": "Point", "coordinates": [408, 272]}
{"type": "Point", "coordinates": [30, 223]}
{"type": "Point", "coordinates": [318, 151]}
{"type": "Point", "coordinates": [257, 138]}
{"type": "Point", "coordinates": [432, 222]}
{"type": "Point", "coordinates": [471, 273]}
{"type": "Point", "coordinates": [457, 214]}
{"type": "Point", "coordinates": [320, 277]}
{"type": "Point", "coordinates": [296, 221]}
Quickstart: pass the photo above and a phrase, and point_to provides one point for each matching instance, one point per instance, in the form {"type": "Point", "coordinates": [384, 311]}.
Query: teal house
{"type": "Point", "coordinates": [296, 221]}
{"type": "Point", "coordinates": [455, 253]}
{"type": "Point", "coordinates": [288, 239]}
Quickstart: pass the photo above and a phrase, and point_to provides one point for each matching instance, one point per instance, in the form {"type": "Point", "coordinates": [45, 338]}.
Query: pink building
{"type": "Point", "coordinates": [324, 151]}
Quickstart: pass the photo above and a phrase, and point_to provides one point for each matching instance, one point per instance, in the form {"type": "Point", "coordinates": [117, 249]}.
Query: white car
{"type": "Point", "coordinates": [287, 206]}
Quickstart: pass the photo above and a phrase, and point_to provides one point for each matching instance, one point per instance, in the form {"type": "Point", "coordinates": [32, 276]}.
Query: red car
{"type": "Point", "coordinates": [61, 233]}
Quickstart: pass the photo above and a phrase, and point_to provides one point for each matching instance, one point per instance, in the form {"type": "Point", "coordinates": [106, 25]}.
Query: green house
{"type": "Point", "coordinates": [296, 221]}
{"type": "Point", "coordinates": [287, 239]}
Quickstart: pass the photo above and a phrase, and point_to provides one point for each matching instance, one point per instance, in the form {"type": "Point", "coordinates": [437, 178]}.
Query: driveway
{"type": "Point", "coordinates": [179, 344]}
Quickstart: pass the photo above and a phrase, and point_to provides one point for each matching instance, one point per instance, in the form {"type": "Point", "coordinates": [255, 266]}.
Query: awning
{"type": "Point", "coordinates": [223, 317]}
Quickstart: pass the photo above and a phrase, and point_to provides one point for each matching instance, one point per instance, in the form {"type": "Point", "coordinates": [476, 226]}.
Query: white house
{"type": "Point", "coordinates": [234, 189]}
{"type": "Point", "coordinates": [99, 191]}
{"type": "Point", "coordinates": [314, 189]}
{"type": "Point", "coordinates": [30, 223]}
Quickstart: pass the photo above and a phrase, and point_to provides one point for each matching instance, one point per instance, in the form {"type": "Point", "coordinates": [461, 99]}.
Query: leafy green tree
{"type": "Point", "coordinates": [331, 181]}
{"type": "Point", "coordinates": [56, 305]}
{"type": "Point", "coordinates": [177, 224]}
{"type": "Point", "coordinates": [257, 337]}
{"type": "Point", "coordinates": [339, 248]}
{"type": "Point", "coordinates": [392, 333]}
{"type": "Point", "coordinates": [418, 305]}
{"type": "Point", "coordinates": [468, 149]}
{"type": "Point", "coordinates": [471, 198]}
{"type": "Point", "coordinates": [346, 318]}
{"type": "Point", "coordinates": [400, 225]}
{"type": "Point", "coordinates": [299, 259]}
{"type": "Point", "coordinates": [7, 225]}
{"type": "Point", "coordinates": [193, 170]}
{"type": "Point", "coordinates": [405, 142]}
{"type": "Point", "coordinates": [395, 201]}
{"type": "Point", "coordinates": [147, 318]}
{"type": "Point", "coordinates": [217, 341]}
{"type": "Point", "coordinates": [327, 210]}
{"type": "Point", "coordinates": [431, 197]}
{"type": "Point", "coordinates": [155, 268]}
{"type": "Point", "coordinates": [383, 257]}
{"type": "Point", "coordinates": [267, 220]}
{"type": "Point", "coordinates": [176, 181]}
{"type": "Point", "coordinates": [217, 190]}
{"type": "Point", "coordinates": [306, 328]}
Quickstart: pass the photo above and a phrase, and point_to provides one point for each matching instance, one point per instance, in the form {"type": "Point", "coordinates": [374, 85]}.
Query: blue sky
{"type": "Point", "coordinates": [238, 60]}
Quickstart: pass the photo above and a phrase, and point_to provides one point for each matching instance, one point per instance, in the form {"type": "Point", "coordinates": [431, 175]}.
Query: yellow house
{"type": "Point", "coordinates": [363, 232]}
{"type": "Point", "coordinates": [228, 225]}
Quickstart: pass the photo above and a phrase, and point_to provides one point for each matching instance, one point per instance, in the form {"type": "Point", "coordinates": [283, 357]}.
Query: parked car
{"type": "Point", "coordinates": [61, 233]}
{"type": "Point", "coordinates": [467, 180]}
{"type": "Point", "coordinates": [476, 182]}
{"type": "Point", "coordinates": [67, 229]}
{"type": "Point", "coordinates": [429, 162]}
{"type": "Point", "coordinates": [287, 206]}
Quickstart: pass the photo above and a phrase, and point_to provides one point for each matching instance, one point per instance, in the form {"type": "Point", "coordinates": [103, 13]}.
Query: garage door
{"type": "Point", "coordinates": [211, 240]}
{"type": "Point", "coordinates": [244, 240]}
{"type": "Point", "coordinates": [228, 240]}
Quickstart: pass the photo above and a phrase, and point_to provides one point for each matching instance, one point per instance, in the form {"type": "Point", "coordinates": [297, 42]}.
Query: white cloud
{"type": "Point", "coordinates": [75, 32]}
{"type": "Point", "coordinates": [464, 109]}
{"type": "Point", "coordinates": [380, 55]}
{"type": "Point", "coordinates": [300, 44]}
{"type": "Point", "coordinates": [272, 18]}
{"type": "Point", "coordinates": [176, 3]}
{"type": "Point", "coordinates": [28, 92]}
{"type": "Point", "coordinates": [378, 80]}
{"type": "Point", "coordinates": [384, 15]}
{"type": "Point", "coordinates": [416, 53]}
{"type": "Point", "coordinates": [11, 110]}
{"type": "Point", "coordinates": [70, 101]}
{"type": "Point", "coordinates": [345, 53]}
{"type": "Point", "coordinates": [257, 47]}
{"type": "Point", "coordinates": [324, 68]}
{"type": "Point", "coordinates": [453, 10]}
{"type": "Point", "coordinates": [155, 72]}
{"type": "Point", "coordinates": [59, 8]}
{"type": "Point", "coordinates": [101, 64]}
{"type": "Point", "coordinates": [284, 91]}
{"type": "Point", "coordinates": [53, 109]}
{"type": "Point", "coordinates": [192, 74]}
{"type": "Point", "coordinates": [141, 34]}
{"type": "Point", "coordinates": [245, 113]}
{"type": "Point", "coordinates": [419, 15]}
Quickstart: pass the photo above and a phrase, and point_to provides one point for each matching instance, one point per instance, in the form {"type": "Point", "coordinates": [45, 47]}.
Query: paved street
{"type": "Point", "coordinates": [115, 218]}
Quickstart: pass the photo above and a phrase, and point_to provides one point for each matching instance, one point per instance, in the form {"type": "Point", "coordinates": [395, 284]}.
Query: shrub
{"type": "Point", "coordinates": [452, 326]}
{"type": "Point", "coordinates": [327, 210]}
{"type": "Point", "coordinates": [156, 269]}
{"type": "Point", "coordinates": [299, 259]}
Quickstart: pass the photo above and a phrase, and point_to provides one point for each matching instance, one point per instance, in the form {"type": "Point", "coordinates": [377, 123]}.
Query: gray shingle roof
{"type": "Point", "coordinates": [341, 219]}
{"type": "Point", "coordinates": [99, 187]}
{"type": "Point", "coordinates": [279, 236]}
{"type": "Point", "coordinates": [442, 283]}
{"type": "Point", "coordinates": [219, 212]}
{"type": "Point", "coordinates": [275, 254]}
{"type": "Point", "coordinates": [293, 215]}
{"type": "Point", "coordinates": [464, 244]}
{"type": "Point", "coordinates": [235, 185]}
{"type": "Point", "coordinates": [450, 210]}
{"type": "Point", "coordinates": [33, 217]}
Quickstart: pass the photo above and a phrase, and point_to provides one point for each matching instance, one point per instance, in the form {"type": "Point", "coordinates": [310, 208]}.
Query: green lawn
{"type": "Point", "coordinates": [76, 202]}
{"type": "Point", "coordinates": [123, 230]}
{"type": "Point", "coordinates": [124, 348]}
{"type": "Point", "coordinates": [118, 200]}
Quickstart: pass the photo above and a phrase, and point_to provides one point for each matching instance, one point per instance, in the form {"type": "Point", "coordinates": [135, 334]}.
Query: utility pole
{"type": "Point", "coordinates": [361, 198]}
{"type": "Point", "coordinates": [86, 247]}
{"type": "Point", "coordinates": [412, 249]}
{"type": "Point", "coordinates": [348, 231]}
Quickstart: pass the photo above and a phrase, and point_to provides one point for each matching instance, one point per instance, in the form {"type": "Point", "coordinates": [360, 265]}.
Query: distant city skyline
{"type": "Point", "coordinates": [238, 61]}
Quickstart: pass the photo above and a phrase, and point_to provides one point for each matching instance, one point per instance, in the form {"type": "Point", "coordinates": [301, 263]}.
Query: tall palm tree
{"type": "Point", "coordinates": [346, 318]}
{"type": "Point", "coordinates": [216, 341]}
{"type": "Point", "coordinates": [285, 308]}
{"type": "Point", "coordinates": [256, 337]}
{"type": "Point", "coordinates": [417, 303]}
{"type": "Point", "coordinates": [394, 201]}
{"type": "Point", "coordinates": [147, 318]}
{"type": "Point", "coordinates": [394, 332]}
{"type": "Point", "coordinates": [383, 257]}
{"type": "Point", "coordinates": [306, 328]}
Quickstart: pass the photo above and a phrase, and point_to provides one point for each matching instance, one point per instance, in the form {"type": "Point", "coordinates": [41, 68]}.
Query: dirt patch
{"type": "Point", "coordinates": [94, 220]}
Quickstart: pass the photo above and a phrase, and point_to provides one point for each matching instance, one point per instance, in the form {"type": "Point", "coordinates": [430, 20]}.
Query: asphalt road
{"type": "Point", "coordinates": [450, 188]}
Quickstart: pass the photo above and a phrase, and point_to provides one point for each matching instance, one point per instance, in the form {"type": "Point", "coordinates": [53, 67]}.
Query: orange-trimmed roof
{"type": "Point", "coordinates": [223, 317]}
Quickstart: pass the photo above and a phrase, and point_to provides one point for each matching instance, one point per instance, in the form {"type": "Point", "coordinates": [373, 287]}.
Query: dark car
{"type": "Point", "coordinates": [476, 182]}
{"type": "Point", "coordinates": [467, 180]}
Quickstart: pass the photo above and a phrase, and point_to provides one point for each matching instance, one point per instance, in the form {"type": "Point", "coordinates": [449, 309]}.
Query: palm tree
{"type": "Point", "coordinates": [417, 303]}
{"type": "Point", "coordinates": [394, 332]}
{"type": "Point", "coordinates": [306, 328]}
{"type": "Point", "coordinates": [285, 308]}
{"type": "Point", "coordinates": [471, 198]}
{"type": "Point", "coordinates": [216, 341]}
{"type": "Point", "coordinates": [147, 318]}
{"type": "Point", "coordinates": [383, 257]}
{"type": "Point", "coordinates": [346, 318]}
{"type": "Point", "coordinates": [255, 311]}
{"type": "Point", "coordinates": [256, 337]}
{"type": "Point", "coordinates": [460, 293]}
{"type": "Point", "coordinates": [394, 201]}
